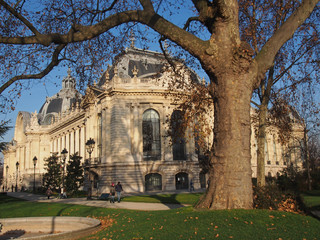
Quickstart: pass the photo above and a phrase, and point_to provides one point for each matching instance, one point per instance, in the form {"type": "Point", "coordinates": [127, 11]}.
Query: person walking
{"type": "Point", "coordinates": [112, 193]}
{"type": "Point", "coordinates": [119, 190]}
{"type": "Point", "coordinates": [191, 186]}
{"type": "Point", "coordinates": [48, 192]}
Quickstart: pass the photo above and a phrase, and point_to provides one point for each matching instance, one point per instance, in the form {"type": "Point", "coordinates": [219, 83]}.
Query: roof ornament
{"type": "Point", "coordinates": [135, 71]}
{"type": "Point", "coordinates": [115, 71]}
{"type": "Point", "coordinates": [107, 76]}
{"type": "Point", "coordinates": [203, 81]}
{"type": "Point", "coordinates": [68, 82]}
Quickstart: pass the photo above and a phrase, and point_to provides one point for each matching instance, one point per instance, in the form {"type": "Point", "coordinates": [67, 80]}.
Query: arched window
{"type": "Point", "coordinates": [96, 181]}
{"type": "Point", "coordinates": [178, 141]}
{"type": "Point", "coordinates": [182, 180]}
{"type": "Point", "coordinates": [151, 135]}
{"type": "Point", "coordinates": [153, 181]}
{"type": "Point", "coordinates": [49, 119]}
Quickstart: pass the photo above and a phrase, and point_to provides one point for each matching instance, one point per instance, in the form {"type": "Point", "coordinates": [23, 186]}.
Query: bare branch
{"type": "Point", "coordinates": [267, 54]}
{"type": "Point", "coordinates": [293, 63]}
{"type": "Point", "coordinates": [164, 51]}
{"type": "Point", "coordinates": [20, 17]}
{"type": "Point", "coordinates": [256, 104]}
{"type": "Point", "coordinates": [189, 21]}
{"type": "Point", "coordinates": [54, 62]}
{"type": "Point", "coordinates": [104, 10]}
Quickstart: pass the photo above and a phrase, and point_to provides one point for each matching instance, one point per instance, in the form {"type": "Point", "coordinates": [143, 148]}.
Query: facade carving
{"type": "Point", "coordinates": [126, 113]}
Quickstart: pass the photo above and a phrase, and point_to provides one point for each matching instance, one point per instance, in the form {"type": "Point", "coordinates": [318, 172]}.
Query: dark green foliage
{"type": "Point", "coordinates": [302, 183]}
{"type": "Point", "coordinates": [315, 176]}
{"type": "Point", "coordinates": [74, 178]}
{"type": "Point", "coordinates": [287, 180]}
{"type": "Point", "coordinates": [294, 180]}
{"type": "Point", "coordinates": [53, 175]}
{"type": "Point", "coordinates": [4, 128]}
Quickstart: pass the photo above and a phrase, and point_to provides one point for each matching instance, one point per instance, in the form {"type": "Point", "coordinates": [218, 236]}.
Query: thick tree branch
{"type": "Point", "coordinates": [147, 5]}
{"type": "Point", "coordinates": [207, 12]}
{"type": "Point", "coordinates": [54, 62]}
{"type": "Point", "coordinates": [194, 45]}
{"type": "Point", "coordinates": [267, 54]}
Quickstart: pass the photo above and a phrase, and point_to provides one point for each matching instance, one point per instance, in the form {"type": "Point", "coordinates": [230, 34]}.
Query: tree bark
{"type": "Point", "coordinates": [261, 176]}
{"type": "Point", "coordinates": [230, 183]}
{"type": "Point", "coordinates": [307, 158]}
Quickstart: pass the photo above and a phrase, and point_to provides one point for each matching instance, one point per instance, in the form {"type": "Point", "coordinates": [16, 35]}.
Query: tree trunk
{"type": "Point", "coordinates": [261, 176]}
{"type": "Point", "coordinates": [307, 158]}
{"type": "Point", "coordinates": [230, 183]}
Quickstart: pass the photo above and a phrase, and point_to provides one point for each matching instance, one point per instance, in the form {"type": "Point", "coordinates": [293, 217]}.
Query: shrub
{"type": "Point", "coordinates": [273, 198]}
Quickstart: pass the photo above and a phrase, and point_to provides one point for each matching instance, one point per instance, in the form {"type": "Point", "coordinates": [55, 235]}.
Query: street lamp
{"type": "Point", "coordinates": [89, 147]}
{"type": "Point", "coordinates": [7, 169]}
{"type": "Point", "coordinates": [17, 168]}
{"type": "Point", "coordinates": [34, 173]}
{"type": "Point", "coordinates": [64, 156]}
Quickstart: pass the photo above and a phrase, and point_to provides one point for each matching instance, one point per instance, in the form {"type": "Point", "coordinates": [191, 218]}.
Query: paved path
{"type": "Point", "coordinates": [96, 203]}
{"type": "Point", "coordinates": [106, 204]}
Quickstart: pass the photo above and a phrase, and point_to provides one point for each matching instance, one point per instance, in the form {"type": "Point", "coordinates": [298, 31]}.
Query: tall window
{"type": "Point", "coordinates": [151, 135]}
{"type": "Point", "coordinates": [178, 141]}
{"type": "Point", "coordinates": [99, 134]}
{"type": "Point", "coordinates": [274, 150]}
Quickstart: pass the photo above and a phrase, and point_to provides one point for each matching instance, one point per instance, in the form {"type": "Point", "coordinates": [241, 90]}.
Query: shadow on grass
{"type": "Point", "coordinates": [4, 199]}
{"type": "Point", "coordinates": [312, 193]}
{"type": "Point", "coordinates": [180, 199]}
{"type": "Point", "coordinates": [171, 198]}
{"type": "Point", "coordinates": [12, 234]}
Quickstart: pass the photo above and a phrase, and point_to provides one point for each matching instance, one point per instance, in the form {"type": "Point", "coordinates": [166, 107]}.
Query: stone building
{"type": "Point", "coordinates": [126, 114]}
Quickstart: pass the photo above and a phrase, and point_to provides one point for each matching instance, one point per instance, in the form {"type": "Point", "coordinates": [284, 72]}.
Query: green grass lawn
{"type": "Point", "coordinates": [184, 223]}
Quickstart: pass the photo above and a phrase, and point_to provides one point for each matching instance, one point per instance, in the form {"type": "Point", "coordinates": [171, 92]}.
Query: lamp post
{"type": "Point", "coordinates": [17, 168]}
{"type": "Point", "coordinates": [89, 147]}
{"type": "Point", "coordinates": [34, 173]}
{"type": "Point", "coordinates": [64, 156]}
{"type": "Point", "coordinates": [7, 169]}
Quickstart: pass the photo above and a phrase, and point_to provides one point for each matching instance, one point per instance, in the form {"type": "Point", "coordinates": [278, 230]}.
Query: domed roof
{"type": "Point", "coordinates": [60, 102]}
{"type": "Point", "coordinates": [140, 63]}
{"type": "Point", "coordinates": [147, 64]}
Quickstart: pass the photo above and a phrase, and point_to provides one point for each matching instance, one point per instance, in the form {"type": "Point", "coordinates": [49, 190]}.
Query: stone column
{"type": "Point", "coordinates": [106, 136]}
{"type": "Point", "coordinates": [71, 146]}
{"type": "Point", "coordinates": [77, 139]}
{"type": "Point", "coordinates": [67, 144]}
{"type": "Point", "coordinates": [82, 144]}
